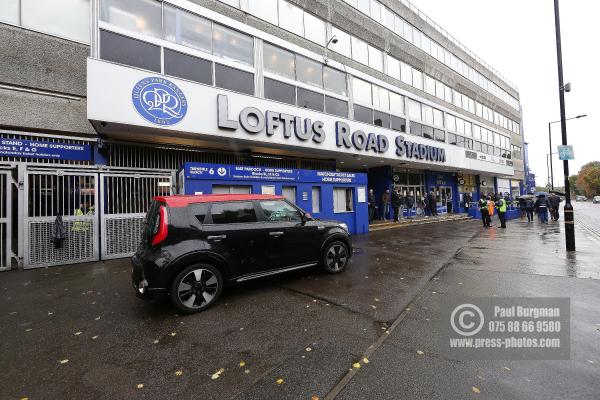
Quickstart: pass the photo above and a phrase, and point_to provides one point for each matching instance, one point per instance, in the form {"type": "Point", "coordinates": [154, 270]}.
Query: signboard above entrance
{"type": "Point", "coordinates": [250, 173]}
{"type": "Point", "coordinates": [12, 147]}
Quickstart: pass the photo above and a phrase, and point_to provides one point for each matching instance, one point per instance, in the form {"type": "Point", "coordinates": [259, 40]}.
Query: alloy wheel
{"type": "Point", "coordinates": [197, 288]}
{"type": "Point", "coordinates": [337, 257]}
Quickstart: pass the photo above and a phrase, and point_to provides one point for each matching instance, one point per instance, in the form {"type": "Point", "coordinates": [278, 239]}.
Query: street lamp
{"type": "Point", "coordinates": [569, 216]}
{"type": "Point", "coordinates": [550, 141]}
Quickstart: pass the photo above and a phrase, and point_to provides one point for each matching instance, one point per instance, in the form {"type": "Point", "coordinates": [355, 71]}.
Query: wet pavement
{"type": "Point", "coordinates": [79, 332]}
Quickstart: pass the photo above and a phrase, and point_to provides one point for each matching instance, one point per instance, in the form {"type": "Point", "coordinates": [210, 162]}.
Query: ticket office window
{"type": "Point", "coordinates": [289, 192]}
{"type": "Point", "coordinates": [343, 200]}
{"type": "Point", "coordinates": [316, 199]}
{"type": "Point", "coordinates": [231, 189]}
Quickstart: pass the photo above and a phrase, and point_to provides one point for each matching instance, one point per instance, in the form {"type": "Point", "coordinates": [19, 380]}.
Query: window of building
{"type": "Point", "coordinates": [336, 107]}
{"type": "Point", "coordinates": [291, 18]}
{"type": "Point", "coordinates": [188, 67]}
{"type": "Point", "coordinates": [187, 29]}
{"type": "Point", "coordinates": [416, 129]}
{"type": "Point", "coordinates": [142, 16]}
{"type": "Point", "coordinates": [289, 192]}
{"type": "Point", "coordinates": [361, 91]}
{"type": "Point", "coordinates": [309, 99]}
{"type": "Point", "coordinates": [364, 6]}
{"type": "Point", "coordinates": [279, 91]}
{"type": "Point", "coordinates": [451, 122]}
{"type": "Point", "coordinates": [451, 138]}
{"type": "Point", "coordinates": [398, 124]}
{"type": "Point", "coordinates": [406, 73]}
{"type": "Point", "coordinates": [316, 199]}
{"type": "Point", "coordinates": [477, 146]}
{"type": "Point", "coordinates": [393, 67]}
{"type": "Point", "coordinates": [234, 79]}
{"type": "Point", "coordinates": [376, 10]}
{"type": "Point", "coordinates": [396, 103]}
{"type": "Point", "coordinates": [381, 119]}
{"type": "Point", "coordinates": [375, 58]}
{"type": "Point", "coordinates": [309, 71]}
{"type": "Point", "coordinates": [232, 213]}
{"type": "Point", "coordinates": [427, 112]}
{"type": "Point", "coordinates": [438, 117]}
{"type": "Point", "coordinates": [10, 12]}
{"type": "Point", "coordinates": [469, 144]}
{"type": "Point", "coordinates": [315, 29]}
{"type": "Point", "coordinates": [439, 135]}
{"type": "Point", "coordinates": [279, 61]}
{"type": "Point", "coordinates": [427, 132]}
{"type": "Point", "coordinates": [460, 141]}
{"type": "Point", "coordinates": [360, 51]}
{"type": "Point", "coordinates": [414, 110]}
{"type": "Point", "coordinates": [334, 81]}
{"type": "Point", "coordinates": [363, 114]}
{"type": "Point", "coordinates": [233, 45]}
{"type": "Point", "coordinates": [417, 79]}
{"type": "Point", "coordinates": [264, 9]}
{"type": "Point", "coordinates": [128, 51]}
{"type": "Point", "coordinates": [344, 44]}
{"type": "Point", "coordinates": [381, 97]}
{"type": "Point", "coordinates": [429, 85]}
{"type": "Point", "coordinates": [342, 200]}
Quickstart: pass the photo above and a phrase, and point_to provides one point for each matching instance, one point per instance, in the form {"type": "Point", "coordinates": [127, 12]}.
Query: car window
{"type": "Point", "coordinates": [199, 210]}
{"type": "Point", "coordinates": [278, 211]}
{"type": "Point", "coordinates": [233, 212]}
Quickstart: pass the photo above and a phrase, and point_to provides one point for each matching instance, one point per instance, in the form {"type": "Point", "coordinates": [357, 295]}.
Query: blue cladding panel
{"type": "Point", "coordinates": [200, 178]}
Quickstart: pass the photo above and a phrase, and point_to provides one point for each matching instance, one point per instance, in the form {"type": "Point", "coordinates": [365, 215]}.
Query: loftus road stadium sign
{"type": "Point", "coordinates": [254, 121]}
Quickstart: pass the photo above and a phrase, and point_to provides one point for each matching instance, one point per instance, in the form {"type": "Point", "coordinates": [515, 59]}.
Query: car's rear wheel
{"type": "Point", "coordinates": [196, 288]}
{"type": "Point", "coordinates": [335, 257]}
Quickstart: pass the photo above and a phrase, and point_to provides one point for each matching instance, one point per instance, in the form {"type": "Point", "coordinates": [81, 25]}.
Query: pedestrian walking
{"type": "Point", "coordinates": [385, 199]}
{"type": "Point", "coordinates": [432, 203]}
{"type": "Point", "coordinates": [410, 203]}
{"type": "Point", "coordinates": [501, 206]}
{"type": "Point", "coordinates": [554, 202]}
{"type": "Point", "coordinates": [483, 208]}
{"type": "Point", "coordinates": [542, 206]}
{"type": "Point", "coordinates": [529, 207]}
{"type": "Point", "coordinates": [522, 207]}
{"type": "Point", "coordinates": [395, 205]}
{"type": "Point", "coordinates": [372, 206]}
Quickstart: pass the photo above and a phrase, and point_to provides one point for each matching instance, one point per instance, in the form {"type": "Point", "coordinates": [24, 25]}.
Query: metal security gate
{"type": "Point", "coordinates": [70, 194]}
{"type": "Point", "coordinates": [125, 200]}
{"type": "Point", "coordinates": [5, 219]}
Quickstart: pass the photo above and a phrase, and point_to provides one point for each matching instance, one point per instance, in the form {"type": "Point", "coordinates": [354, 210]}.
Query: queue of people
{"type": "Point", "coordinates": [488, 204]}
{"type": "Point", "coordinates": [396, 204]}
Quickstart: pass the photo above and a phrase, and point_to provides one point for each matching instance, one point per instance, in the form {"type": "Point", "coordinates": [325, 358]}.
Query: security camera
{"type": "Point", "coordinates": [334, 40]}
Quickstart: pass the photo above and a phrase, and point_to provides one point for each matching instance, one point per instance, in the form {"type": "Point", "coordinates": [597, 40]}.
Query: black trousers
{"type": "Point", "coordinates": [396, 210]}
{"type": "Point", "coordinates": [529, 214]}
{"type": "Point", "coordinates": [502, 216]}
{"type": "Point", "coordinates": [485, 217]}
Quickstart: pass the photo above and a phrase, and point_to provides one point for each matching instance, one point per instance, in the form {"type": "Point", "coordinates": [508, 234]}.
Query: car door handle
{"type": "Point", "coordinates": [217, 237]}
{"type": "Point", "coordinates": [275, 234]}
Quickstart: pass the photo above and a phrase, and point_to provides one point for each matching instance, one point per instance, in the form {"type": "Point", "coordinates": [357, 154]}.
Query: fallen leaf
{"type": "Point", "coordinates": [50, 313]}
{"type": "Point", "coordinates": [140, 385]}
{"type": "Point", "coordinates": [308, 349]}
{"type": "Point", "coordinates": [28, 330]}
{"type": "Point", "coordinates": [376, 299]}
{"type": "Point", "coordinates": [373, 307]}
{"type": "Point", "coordinates": [97, 319]}
{"type": "Point", "coordinates": [590, 361]}
{"type": "Point", "coordinates": [475, 390]}
{"type": "Point", "coordinates": [66, 360]}
{"type": "Point", "coordinates": [77, 333]}
{"type": "Point", "coordinates": [279, 381]}
{"type": "Point", "coordinates": [419, 352]}
{"type": "Point", "coordinates": [356, 365]}
{"type": "Point", "coordinates": [215, 376]}
{"type": "Point", "coordinates": [242, 363]}
{"type": "Point", "coordinates": [506, 368]}
{"type": "Point", "coordinates": [173, 333]}
{"type": "Point", "coordinates": [155, 341]}
{"type": "Point", "coordinates": [178, 373]}
{"type": "Point", "coordinates": [246, 371]}
{"type": "Point", "coordinates": [94, 337]}
{"type": "Point", "coordinates": [434, 292]}
{"type": "Point", "coordinates": [314, 398]}
{"type": "Point", "coordinates": [24, 398]}
{"type": "Point", "coordinates": [366, 360]}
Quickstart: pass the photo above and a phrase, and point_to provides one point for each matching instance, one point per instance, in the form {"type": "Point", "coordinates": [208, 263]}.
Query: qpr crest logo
{"type": "Point", "coordinates": [159, 101]}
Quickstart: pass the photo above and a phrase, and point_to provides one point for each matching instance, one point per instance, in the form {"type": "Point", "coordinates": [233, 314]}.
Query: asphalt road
{"type": "Point", "coordinates": [78, 331]}
{"type": "Point", "coordinates": [587, 215]}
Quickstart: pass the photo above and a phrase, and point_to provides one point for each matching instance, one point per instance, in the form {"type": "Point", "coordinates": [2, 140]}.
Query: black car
{"type": "Point", "coordinates": [193, 245]}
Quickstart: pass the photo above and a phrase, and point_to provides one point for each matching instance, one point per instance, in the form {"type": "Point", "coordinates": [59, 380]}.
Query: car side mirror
{"type": "Point", "coordinates": [305, 217]}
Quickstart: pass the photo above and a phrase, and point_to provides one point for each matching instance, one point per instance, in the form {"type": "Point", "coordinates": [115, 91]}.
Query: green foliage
{"type": "Point", "coordinates": [588, 179]}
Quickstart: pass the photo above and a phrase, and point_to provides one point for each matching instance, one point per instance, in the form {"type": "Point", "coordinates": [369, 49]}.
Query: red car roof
{"type": "Point", "coordinates": [184, 200]}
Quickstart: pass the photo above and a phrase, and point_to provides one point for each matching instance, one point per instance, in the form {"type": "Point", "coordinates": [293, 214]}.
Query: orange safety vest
{"type": "Point", "coordinates": [491, 206]}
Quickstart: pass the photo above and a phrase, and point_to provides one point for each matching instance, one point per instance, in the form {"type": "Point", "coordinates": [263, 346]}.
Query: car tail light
{"type": "Point", "coordinates": [161, 232]}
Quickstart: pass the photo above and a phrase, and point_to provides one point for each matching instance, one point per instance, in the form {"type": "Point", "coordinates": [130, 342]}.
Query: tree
{"type": "Point", "coordinates": [575, 190]}
{"type": "Point", "coordinates": [588, 179]}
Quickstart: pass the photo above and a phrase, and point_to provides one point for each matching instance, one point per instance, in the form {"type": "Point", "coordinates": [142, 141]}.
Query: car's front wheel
{"type": "Point", "coordinates": [196, 288]}
{"type": "Point", "coordinates": [335, 257]}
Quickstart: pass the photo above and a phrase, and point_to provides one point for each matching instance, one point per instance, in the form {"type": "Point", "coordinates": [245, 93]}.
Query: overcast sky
{"type": "Point", "coordinates": [517, 38]}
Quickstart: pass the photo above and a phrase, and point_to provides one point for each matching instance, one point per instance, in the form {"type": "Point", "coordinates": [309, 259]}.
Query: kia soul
{"type": "Point", "coordinates": [193, 246]}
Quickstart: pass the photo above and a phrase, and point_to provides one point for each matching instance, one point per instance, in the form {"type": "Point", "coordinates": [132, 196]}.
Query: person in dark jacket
{"type": "Point", "coordinates": [385, 199]}
{"type": "Point", "coordinates": [409, 200]}
{"type": "Point", "coordinates": [522, 207]}
{"type": "Point", "coordinates": [483, 208]}
{"type": "Point", "coordinates": [529, 206]}
{"type": "Point", "coordinates": [372, 205]}
{"type": "Point", "coordinates": [542, 205]}
{"type": "Point", "coordinates": [432, 203]}
{"type": "Point", "coordinates": [554, 202]}
{"type": "Point", "coordinates": [395, 200]}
